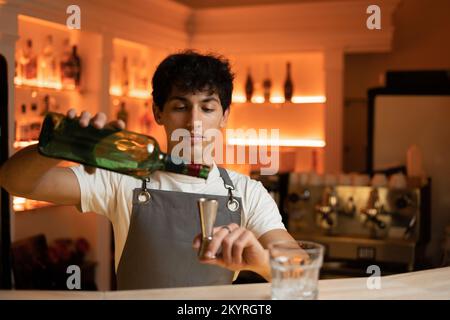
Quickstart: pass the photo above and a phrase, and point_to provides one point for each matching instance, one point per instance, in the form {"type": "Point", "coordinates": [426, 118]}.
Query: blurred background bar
{"type": "Point", "coordinates": [364, 157]}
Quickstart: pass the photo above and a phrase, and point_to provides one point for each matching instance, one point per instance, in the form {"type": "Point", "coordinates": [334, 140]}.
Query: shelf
{"type": "Point", "coordinates": [138, 59]}
{"type": "Point", "coordinates": [38, 85]}
{"type": "Point", "coordinates": [22, 204]}
{"type": "Point", "coordinates": [312, 143]}
{"type": "Point", "coordinates": [259, 101]}
{"type": "Point", "coordinates": [116, 92]}
{"type": "Point", "coordinates": [292, 125]}
{"type": "Point", "coordinates": [24, 144]}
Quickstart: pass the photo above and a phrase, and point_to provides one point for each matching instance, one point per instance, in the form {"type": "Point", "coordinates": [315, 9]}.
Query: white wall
{"type": "Point", "coordinates": [420, 43]}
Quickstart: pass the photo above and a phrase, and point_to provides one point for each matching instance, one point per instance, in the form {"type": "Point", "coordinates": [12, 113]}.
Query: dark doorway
{"type": "Point", "coordinates": [5, 228]}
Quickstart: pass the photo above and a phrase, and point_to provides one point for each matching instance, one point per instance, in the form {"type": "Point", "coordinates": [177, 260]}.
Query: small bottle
{"type": "Point", "coordinates": [125, 76]}
{"type": "Point", "coordinates": [109, 148]}
{"type": "Point", "coordinates": [249, 87]}
{"type": "Point", "coordinates": [24, 125]}
{"type": "Point", "coordinates": [46, 109]}
{"type": "Point", "coordinates": [314, 161]}
{"type": "Point", "coordinates": [75, 63]}
{"type": "Point", "coordinates": [267, 85]}
{"type": "Point", "coordinates": [146, 119]}
{"type": "Point", "coordinates": [29, 61]}
{"type": "Point", "coordinates": [122, 114]}
{"type": "Point", "coordinates": [17, 71]}
{"type": "Point", "coordinates": [35, 118]}
{"type": "Point", "coordinates": [47, 63]}
{"type": "Point", "coordinates": [115, 79]}
{"type": "Point", "coordinates": [34, 106]}
{"type": "Point", "coordinates": [134, 74]}
{"type": "Point", "coordinates": [288, 85]}
{"type": "Point", "coordinates": [143, 76]}
{"type": "Point", "coordinates": [64, 65]}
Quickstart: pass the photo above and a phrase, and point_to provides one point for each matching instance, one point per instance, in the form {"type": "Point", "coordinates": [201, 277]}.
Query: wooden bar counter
{"type": "Point", "coordinates": [427, 284]}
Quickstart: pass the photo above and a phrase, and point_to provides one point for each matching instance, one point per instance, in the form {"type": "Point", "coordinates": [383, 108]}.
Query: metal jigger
{"type": "Point", "coordinates": [208, 212]}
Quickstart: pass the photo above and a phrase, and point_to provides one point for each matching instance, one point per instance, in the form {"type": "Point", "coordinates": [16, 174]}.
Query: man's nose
{"type": "Point", "coordinates": [195, 121]}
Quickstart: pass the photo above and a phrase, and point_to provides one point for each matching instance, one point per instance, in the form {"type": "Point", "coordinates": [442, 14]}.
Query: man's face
{"type": "Point", "coordinates": [196, 113]}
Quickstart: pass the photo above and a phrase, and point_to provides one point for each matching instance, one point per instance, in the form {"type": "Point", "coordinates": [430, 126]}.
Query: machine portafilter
{"type": "Point", "coordinates": [327, 209]}
{"type": "Point", "coordinates": [373, 210]}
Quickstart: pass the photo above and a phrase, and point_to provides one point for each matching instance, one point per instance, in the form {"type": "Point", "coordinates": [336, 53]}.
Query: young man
{"type": "Point", "coordinates": [157, 240]}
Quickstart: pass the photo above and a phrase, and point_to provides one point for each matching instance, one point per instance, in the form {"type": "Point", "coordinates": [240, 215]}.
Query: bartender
{"type": "Point", "coordinates": [157, 238]}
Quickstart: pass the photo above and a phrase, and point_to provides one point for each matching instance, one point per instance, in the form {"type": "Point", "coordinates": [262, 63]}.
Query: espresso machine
{"type": "Point", "coordinates": [360, 225]}
{"type": "Point", "coordinates": [276, 185]}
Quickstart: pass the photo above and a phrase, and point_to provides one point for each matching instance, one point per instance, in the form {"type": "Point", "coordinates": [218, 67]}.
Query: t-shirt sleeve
{"type": "Point", "coordinates": [262, 214]}
{"type": "Point", "coordinates": [97, 190]}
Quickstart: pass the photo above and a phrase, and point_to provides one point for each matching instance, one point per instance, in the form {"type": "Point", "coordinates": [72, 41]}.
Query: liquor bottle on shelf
{"type": "Point", "coordinates": [134, 74]}
{"type": "Point", "coordinates": [314, 161]}
{"type": "Point", "coordinates": [66, 70]}
{"type": "Point", "coordinates": [34, 106]}
{"type": "Point", "coordinates": [143, 76]}
{"type": "Point", "coordinates": [47, 63]}
{"type": "Point", "coordinates": [146, 119]}
{"type": "Point", "coordinates": [288, 85]}
{"type": "Point", "coordinates": [71, 68]}
{"type": "Point", "coordinates": [109, 148]}
{"type": "Point", "coordinates": [24, 128]}
{"type": "Point", "coordinates": [122, 114]}
{"type": "Point", "coordinates": [115, 80]}
{"type": "Point", "coordinates": [267, 85]}
{"type": "Point", "coordinates": [46, 108]}
{"type": "Point", "coordinates": [35, 118]}
{"type": "Point", "coordinates": [75, 62]}
{"type": "Point", "coordinates": [17, 67]}
{"type": "Point", "coordinates": [28, 61]}
{"type": "Point", "coordinates": [249, 87]}
{"type": "Point", "coordinates": [125, 76]}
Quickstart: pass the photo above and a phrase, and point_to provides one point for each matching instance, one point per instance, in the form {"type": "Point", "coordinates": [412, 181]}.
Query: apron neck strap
{"type": "Point", "coordinates": [232, 204]}
{"type": "Point", "coordinates": [226, 178]}
{"type": "Point", "coordinates": [223, 174]}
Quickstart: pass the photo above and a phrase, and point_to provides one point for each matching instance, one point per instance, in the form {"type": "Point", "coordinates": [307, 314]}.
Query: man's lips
{"type": "Point", "coordinates": [195, 138]}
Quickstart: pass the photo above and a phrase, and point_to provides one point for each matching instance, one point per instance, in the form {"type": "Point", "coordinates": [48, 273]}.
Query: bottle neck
{"type": "Point", "coordinates": [177, 165]}
{"type": "Point", "coordinates": [267, 74]}
{"type": "Point", "coordinates": [288, 70]}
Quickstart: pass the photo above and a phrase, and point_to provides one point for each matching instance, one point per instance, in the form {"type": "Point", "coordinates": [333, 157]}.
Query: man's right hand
{"type": "Point", "coordinates": [30, 175]}
{"type": "Point", "coordinates": [98, 121]}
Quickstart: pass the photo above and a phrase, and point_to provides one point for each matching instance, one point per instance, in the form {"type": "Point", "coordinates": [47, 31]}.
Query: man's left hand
{"type": "Point", "coordinates": [240, 250]}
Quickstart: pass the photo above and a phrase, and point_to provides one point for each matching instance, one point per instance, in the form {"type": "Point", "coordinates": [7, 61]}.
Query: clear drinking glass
{"type": "Point", "coordinates": [295, 267]}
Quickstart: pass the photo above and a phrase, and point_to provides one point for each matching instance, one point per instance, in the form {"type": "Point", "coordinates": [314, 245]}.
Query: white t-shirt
{"type": "Point", "coordinates": [110, 194]}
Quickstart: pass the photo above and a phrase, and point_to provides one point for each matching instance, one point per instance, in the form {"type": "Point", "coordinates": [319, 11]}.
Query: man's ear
{"type": "Point", "coordinates": [156, 113]}
{"type": "Point", "coordinates": [224, 120]}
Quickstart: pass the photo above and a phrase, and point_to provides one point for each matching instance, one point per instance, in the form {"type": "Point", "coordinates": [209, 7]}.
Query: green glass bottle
{"type": "Point", "coordinates": [109, 148]}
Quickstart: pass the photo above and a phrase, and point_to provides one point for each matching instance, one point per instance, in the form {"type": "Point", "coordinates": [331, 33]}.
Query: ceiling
{"type": "Point", "coordinates": [202, 4]}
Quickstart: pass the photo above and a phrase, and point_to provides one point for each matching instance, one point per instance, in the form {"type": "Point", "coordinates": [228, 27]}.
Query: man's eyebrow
{"type": "Point", "coordinates": [178, 98]}
{"type": "Point", "coordinates": [181, 98]}
{"type": "Point", "coordinates": [210, 98]}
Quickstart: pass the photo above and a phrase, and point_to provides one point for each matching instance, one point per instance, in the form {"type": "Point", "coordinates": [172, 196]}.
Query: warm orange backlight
{"type": "Point", "coordinates": [278, 143]}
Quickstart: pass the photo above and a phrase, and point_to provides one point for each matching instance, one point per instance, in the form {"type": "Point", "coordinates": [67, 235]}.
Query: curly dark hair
{"type": "Point", "coordinates": [189, 71]}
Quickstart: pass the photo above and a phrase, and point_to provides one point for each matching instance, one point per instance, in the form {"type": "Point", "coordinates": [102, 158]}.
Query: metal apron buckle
{"type": "Point", "coordinates": [144, 196]}
{"type": "Point", "coordinates": [232, 203]}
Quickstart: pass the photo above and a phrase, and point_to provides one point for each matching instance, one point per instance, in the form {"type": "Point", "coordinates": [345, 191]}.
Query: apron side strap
{"type": "Point", "coordinates": [145, 181]}
{"type": "Point", "coordinates": [226, 178]}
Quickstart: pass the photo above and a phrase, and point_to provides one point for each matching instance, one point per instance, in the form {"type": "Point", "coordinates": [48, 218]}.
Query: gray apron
{"type": "Point", "coordinates": [158, 251]}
